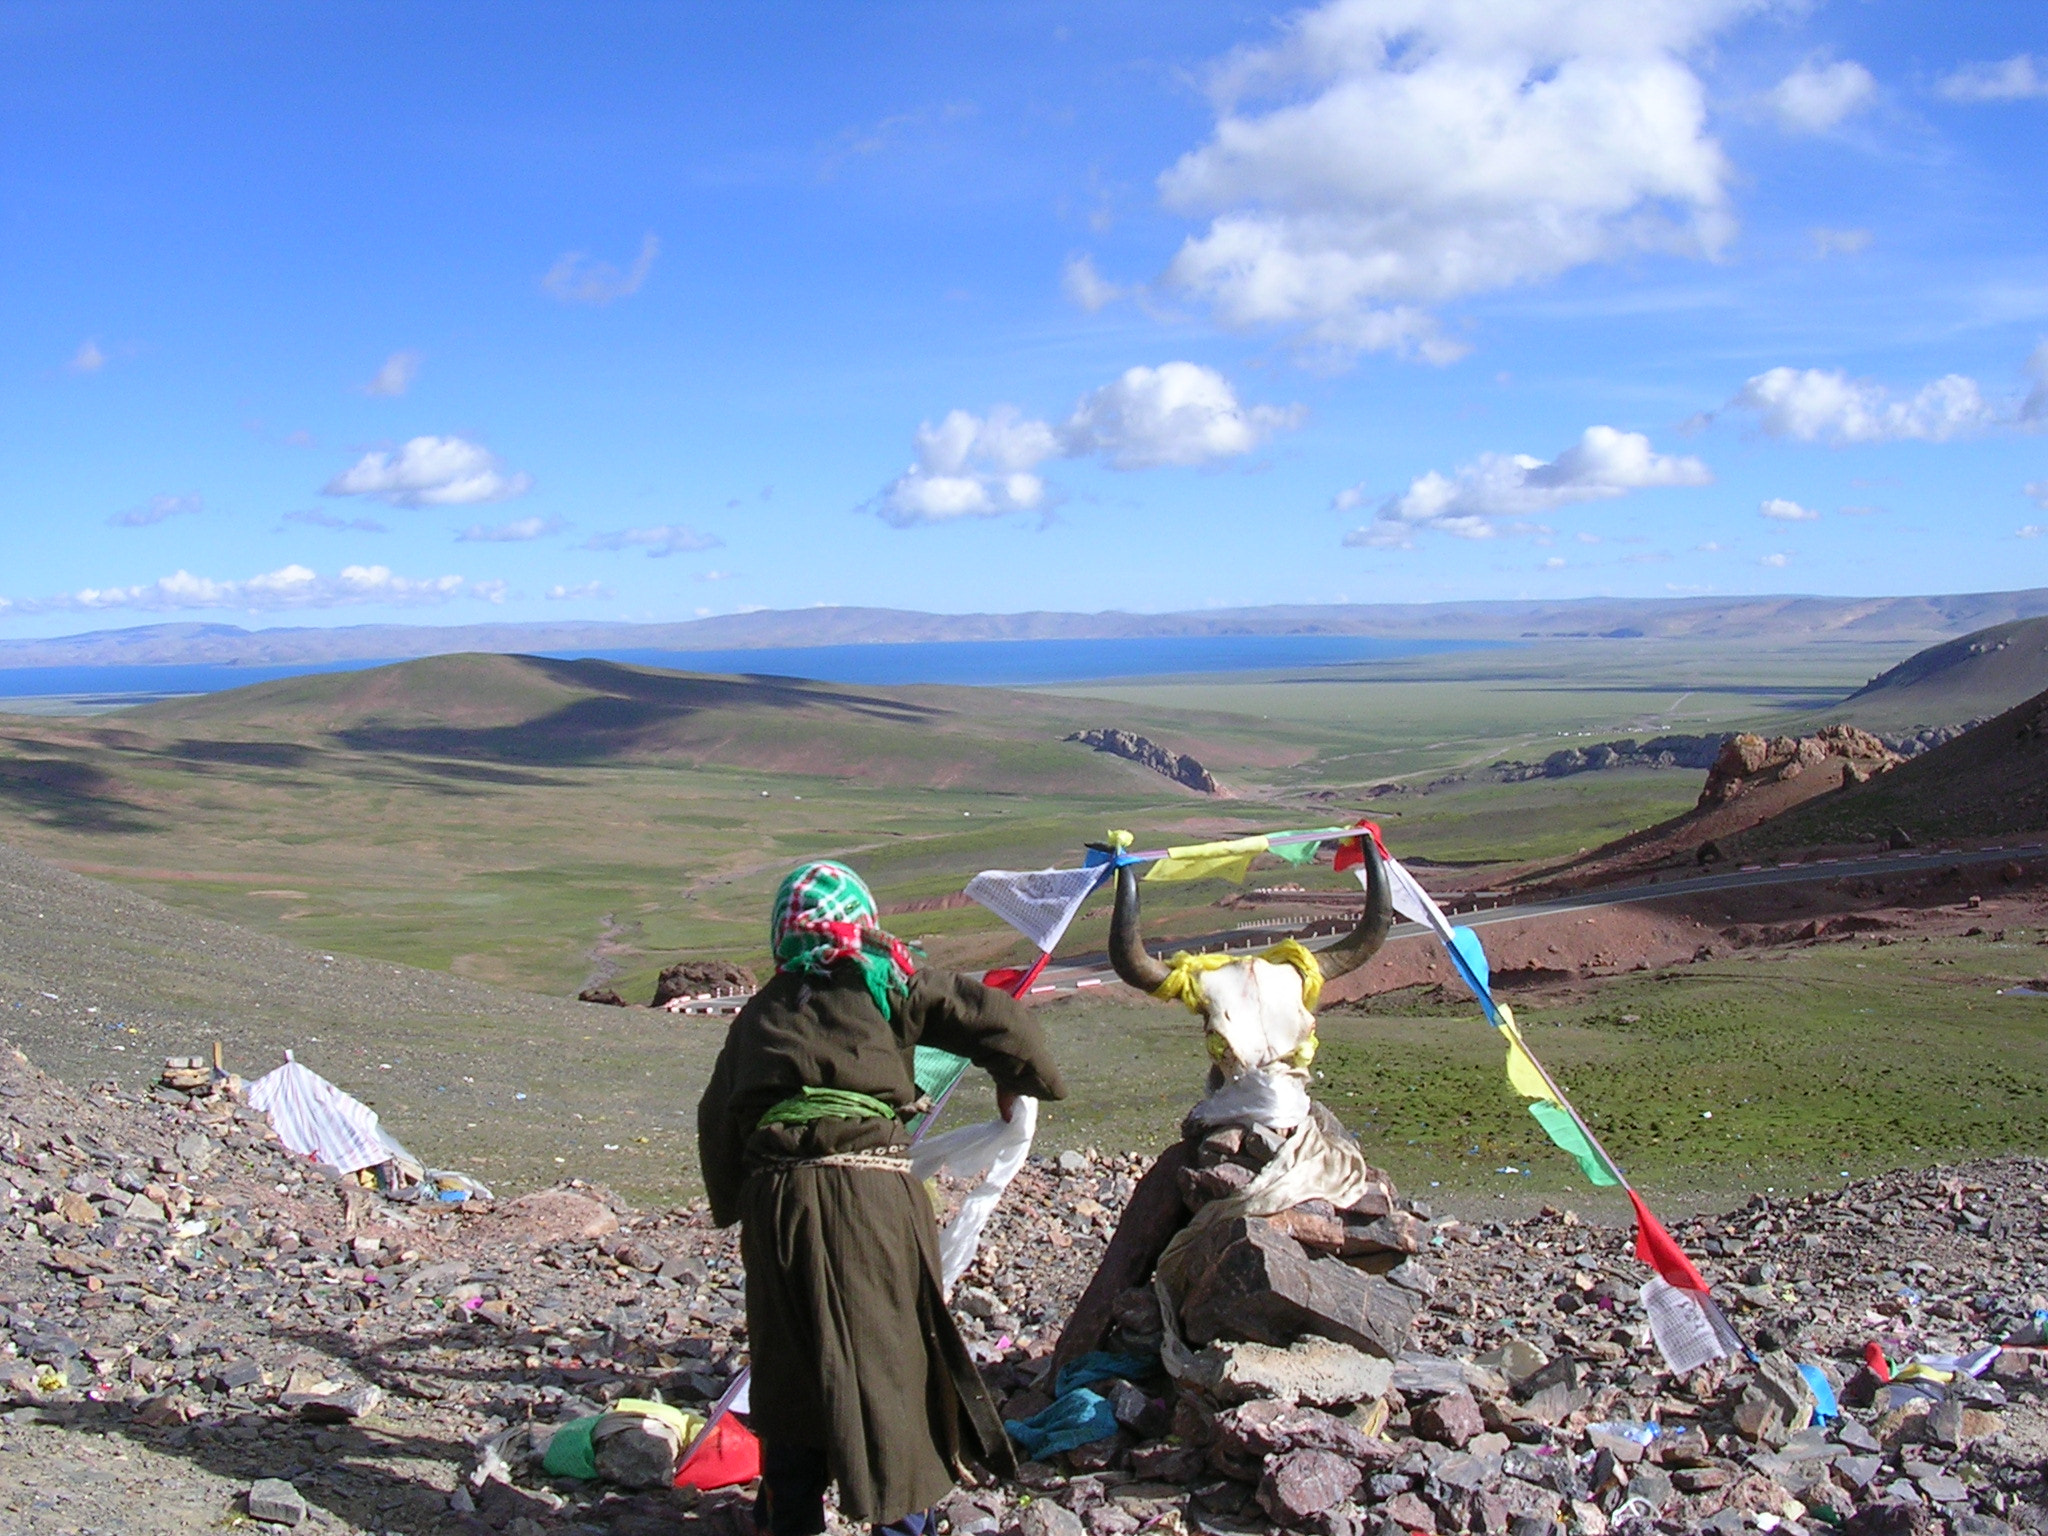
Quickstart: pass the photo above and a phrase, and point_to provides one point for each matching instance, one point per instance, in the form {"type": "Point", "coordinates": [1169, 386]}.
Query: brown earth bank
{"type": "Point", "coordinates": [1556, 954]}
{"type": "Point", "coordinates": [184, 1310]}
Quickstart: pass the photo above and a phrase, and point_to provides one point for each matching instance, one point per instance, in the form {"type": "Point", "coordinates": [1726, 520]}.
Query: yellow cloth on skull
{"type": "Point", "coordinates": [1183, 984]}
{"type": "Point", "coordinates": [1230, 860]}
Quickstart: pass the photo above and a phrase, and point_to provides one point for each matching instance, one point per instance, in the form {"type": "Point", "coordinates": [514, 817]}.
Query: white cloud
{"type": "Point", "coordinates": [1388, 155]}
{"type": "Point", "coordinates": [1816, 96]}
{"type": "Point", "coordinates": [2013, 79]}
{"type": "Point", "coordinates": [576, 279]}
{"type": "Point", "coordinates": [156, 510]}
{"type": "Point", "coordinates": [716, 575]}
{"type": "Point", "coordinates": [338, 524]}
{"type": "Point", "coordinates": [1601, 465]}
{"type": "Point", "coordinates": [430, 472]}
{"type": "Point", "coordinates": [2027, 531]}
{"type": "Point", "coordinates": [2038, 489]}
{"type": "Point", "coordinates": [660, 541]}
{"type": "Point", "coordinates": [971, 466]}
{"type": "Point", "coordinates": [1775, 562]}
{"type": "Point", "coordinates": [1554, 563]}
{"type": "Point", "coordinates": [287, 587]}
{"type": "Point", "coordinates": [1779, 510]}
{"type": "Point", "coordinates": [1838, 242]}
{"type": "Point", "coordinates": [518, 531]}
{"type": "Point", "coordinates": [1708, 548]}
{"type": "Point", "coordinates": [1177, 413]}
{"type": "Point", "coordinates": [87, 359]}
{"type": "Point", "coordinates": [396, 376]}
{"type": "Point", "coordinates": [1086, 287]}
{"type": "Point", "coordinates": [984, 466]}
{"type": "Point", "coordinates": [583, 591]}
{"type": "Point", "coordinates": [1826, 405]}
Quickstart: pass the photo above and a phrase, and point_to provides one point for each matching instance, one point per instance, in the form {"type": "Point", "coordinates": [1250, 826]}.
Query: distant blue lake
{"type": "Point", "coordinates": [984, 663]}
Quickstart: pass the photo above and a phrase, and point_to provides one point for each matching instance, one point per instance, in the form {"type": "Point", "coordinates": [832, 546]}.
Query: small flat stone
{"type": "Point", "coordinates": [276, 1502]}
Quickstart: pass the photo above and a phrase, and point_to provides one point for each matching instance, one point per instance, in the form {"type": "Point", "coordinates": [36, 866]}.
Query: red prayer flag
{"type": "Point", "coordinates": [1009, 979]}
{"type": "Point", "coordinates": [1656, 1248]}
{"type": "Point", "coordinates": [1351, 850]}
{"type": "Point", "coordinates": [1873, 1356]}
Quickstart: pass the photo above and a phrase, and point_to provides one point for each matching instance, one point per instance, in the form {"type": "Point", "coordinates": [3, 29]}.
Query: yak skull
{"type": "Point", "coordinates": [1253, 1011]}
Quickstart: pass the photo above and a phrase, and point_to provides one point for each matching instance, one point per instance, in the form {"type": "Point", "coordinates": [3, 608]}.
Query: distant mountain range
{"type": "Point", "coordinates": [1909, 620]}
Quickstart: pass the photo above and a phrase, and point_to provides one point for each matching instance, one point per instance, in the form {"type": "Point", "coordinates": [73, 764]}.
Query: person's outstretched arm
{"type": "Point", "coordinates": [991, 1029]}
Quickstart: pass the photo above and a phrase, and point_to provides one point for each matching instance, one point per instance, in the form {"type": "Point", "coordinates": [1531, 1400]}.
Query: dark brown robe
{"type": "Point", "coordinates": [852, 1347]}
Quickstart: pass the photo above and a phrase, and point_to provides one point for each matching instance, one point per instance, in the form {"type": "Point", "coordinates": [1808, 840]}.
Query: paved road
{"type": "Point", "coordinates": [1089, 970]}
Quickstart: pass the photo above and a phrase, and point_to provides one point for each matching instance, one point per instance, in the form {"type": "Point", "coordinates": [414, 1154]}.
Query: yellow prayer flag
{"type": "Point", "coordinates": [1229, 860]}
{"type": "Point", "coordinates": [1523, 1075]}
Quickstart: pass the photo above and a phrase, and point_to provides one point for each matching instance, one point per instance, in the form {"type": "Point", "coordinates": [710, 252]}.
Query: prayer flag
{"type": "Point", "coordinates": [1230, 860]}
{"type": "Point", "coordinates": [1558, 1124]}
{"type": "Point", "coordinates": [1524, 1076]}
{"type": "Point", "coordinates": [1038, 903]}
{"type": "Point", "coordinates": [1351, 851]}
{"type": "Point", "coordinates": [1294, 853]}
{"type": "Point", "coordinates": [1655, 1247]}
{"type": "Point", "coordinates": [1684, 1324]}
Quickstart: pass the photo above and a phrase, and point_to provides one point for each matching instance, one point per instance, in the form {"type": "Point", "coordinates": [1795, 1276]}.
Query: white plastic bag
{"type": "Point", "coordinates": [995, 1149]}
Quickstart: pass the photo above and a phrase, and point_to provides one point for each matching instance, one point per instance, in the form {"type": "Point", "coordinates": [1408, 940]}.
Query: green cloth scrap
{"type": "Point", "coordinates": [1564, 1130]}
{"type": "Point", "coordinates": [571, 1453]}
{"type": "Point", "coordinates": [808, 1104]}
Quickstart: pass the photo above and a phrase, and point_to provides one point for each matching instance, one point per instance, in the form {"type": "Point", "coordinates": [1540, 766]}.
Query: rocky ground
{"type": "Point", "coordinates": [187, 1310]}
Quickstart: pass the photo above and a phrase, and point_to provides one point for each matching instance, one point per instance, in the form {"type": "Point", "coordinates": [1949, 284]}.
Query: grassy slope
{"type": "Point", "coordinates": [501, 817]}
{"type": "Point", "coordinates": [504, 869]}
{"type": "Point", "coordinates": [1882, 1056]}
{"type": "Point", "coordinates": [1974, 677]}
{"type": "Point", "coordinates": [1990, 782]}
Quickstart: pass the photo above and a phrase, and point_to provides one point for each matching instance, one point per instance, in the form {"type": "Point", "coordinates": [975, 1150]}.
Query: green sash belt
{"type": "Point", "coordinates": [808, 1104]}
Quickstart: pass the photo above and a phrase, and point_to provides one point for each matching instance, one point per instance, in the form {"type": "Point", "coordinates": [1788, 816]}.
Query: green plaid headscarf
{"type": "Point", "coordinates": [824, 913]}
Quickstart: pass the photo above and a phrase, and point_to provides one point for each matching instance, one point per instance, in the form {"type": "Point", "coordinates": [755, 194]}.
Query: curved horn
{"type": "Point", "coordinates": [1364, 941]}
{"type": "Point", "coordinates": [1126, 945]}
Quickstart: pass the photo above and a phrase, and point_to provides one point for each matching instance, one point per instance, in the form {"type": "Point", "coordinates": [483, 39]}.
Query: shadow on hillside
{"type": "Point", "coordinates": [631, 711]}
{"type": "Point", "coordinates": [61, 793]}
{"type": "Point", "coordinates": [245, 754]}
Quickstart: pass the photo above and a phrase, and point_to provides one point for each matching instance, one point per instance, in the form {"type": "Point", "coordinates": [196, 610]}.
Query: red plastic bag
{"type": "Point", "coordinates": [725, 1454]}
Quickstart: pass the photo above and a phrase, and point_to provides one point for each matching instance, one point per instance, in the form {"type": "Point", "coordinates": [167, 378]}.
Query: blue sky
{"type": "Point", "coordinates": [349, 313]}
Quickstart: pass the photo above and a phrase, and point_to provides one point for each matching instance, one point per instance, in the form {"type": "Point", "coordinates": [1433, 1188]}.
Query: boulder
{"type": "Point", "coordinates": [688, 978]}
{"type": "Point", "coordinates": [1311, 1370]}
{"type": "Point", "coordinates": [1244, 1437]}
{"type": "Point", "coordinates": [1302, 1484]}
{"type": "Point", "coordinates": [1255, 1283]}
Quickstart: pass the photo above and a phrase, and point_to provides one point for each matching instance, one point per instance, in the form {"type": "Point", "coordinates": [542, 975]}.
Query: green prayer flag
{"type": "Point", "coordinates": [936, 1070]}
{"type": "Point", "coordinates": [1564, 1130]}
{"type": "Point", "coordinates": [1295, 853]}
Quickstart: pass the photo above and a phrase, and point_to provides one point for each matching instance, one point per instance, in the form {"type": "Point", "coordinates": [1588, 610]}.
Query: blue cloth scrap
{"type": "Point", "coordinates": [1101, 1365]}
{"type": "Point", "coordinates": [1076, 1418]}
{"type": "Point", "coordinates": [1825, 1408]}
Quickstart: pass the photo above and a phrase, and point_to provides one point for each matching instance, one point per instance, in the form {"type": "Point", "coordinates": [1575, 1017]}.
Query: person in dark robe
{"type": "Point", "coordinates": [860, 1377]}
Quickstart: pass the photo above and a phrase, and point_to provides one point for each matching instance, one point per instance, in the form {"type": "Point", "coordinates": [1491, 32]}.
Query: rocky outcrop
{"type": "Point", "coordinates": [1927, 740]}
{"type": "Point", "coordinates": [1658, 752]}
{"type": "Point", "coordinates": [1747, 760]}
{"type": "Point", "coordinates": [694, 978]}
{"type": "Point", "coordinates": [1130, 746]}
